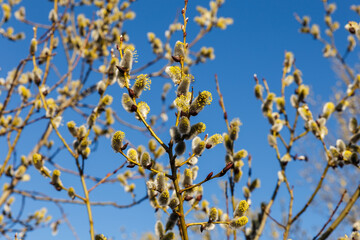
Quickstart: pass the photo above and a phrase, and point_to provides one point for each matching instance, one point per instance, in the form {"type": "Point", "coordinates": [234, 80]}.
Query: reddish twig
{"type": "Point", "coordinates": [221, 102]}
{"type": "Point", "coordinates": [107, 176]}
{"type": "Point", "coordinates": [331, 216]}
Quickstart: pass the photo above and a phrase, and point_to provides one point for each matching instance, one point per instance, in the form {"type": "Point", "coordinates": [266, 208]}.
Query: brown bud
{"type": "Point", "coordinates": [133, 108]}
{"type": "Point", "coordinates": [37, 80]}
{"type": "Point", "coordinates": [209, 176]}
{"type": "Point", "coordinates": [176, 59]}
{"type": "Point", "coordinates": [188, 198]}
{"type": "Point", "coordinates": [182, 114]}
{"type": "Point", "coordinates": [124, 147]}
{"type": "Point", "coordinates": [193, 113]}
{"type": "Point", "coordinates": [227, 168]}
{"type": "Point", "coordinates": [199, 197]}
{"type": "Point", "coordinates": [45, 92]}
{"type": "Point", "coordinates": [150, 165]}
{"type": "Point", "coordinates": [131, 93]}
{"type": "Point", "coordinates": [130, 165]}
{"type": "Point", "coordinates": [122, 70]}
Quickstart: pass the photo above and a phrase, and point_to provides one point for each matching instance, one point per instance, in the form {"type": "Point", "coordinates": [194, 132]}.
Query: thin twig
{"type": "Point", "coordinates": [342, 215]}
{"type": "Point", "coordinates": [331, 216]}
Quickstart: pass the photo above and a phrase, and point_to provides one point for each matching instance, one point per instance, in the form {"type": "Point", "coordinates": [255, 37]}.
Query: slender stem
{"type": "Point", "coordinates": [331, 216]}
{"type": "Point", "coordinates": [342, 215]}
{"type": "Point", "coordinates": [275, 221]}
{"type": "Point", "coordinates": [290, 190]}
{"type": "Point", "coordinates": [283, 83]}
{"type": "Point", "coordinates": [87, 200]}
{"type": "Point", "coordinates": [76, 195]}
{"type": "Point", "coordinates": [54, 125]}
{"type": "Point", "coordinates": [151, 169]}
{"type": "Point", "coordinates": [187, 160]}
{"type": "Point", "coordinates": [107, 176]}
{"type": "Point", "coordinates": [312, 195]}
{"type": "Point", "coordinates": [300, 135]}
{"type": "Point", "coordinates": [227, 208]}
{"type": "Point", "coordinates": [222, 105]}
{"type": "Point", "coordinates": [203, 223]}
{"type": "Point", "coordinates": [208, 178]}
{"type": "Point", "coordinates": [12, 147]}
{"type": "Point", "coordinates": [175, 180]}
{"type": "Point", "coordinates": [152, 131]}
{"type": "Point", "coordinates": [43, 197]}
{"type": "Point", "coordinates": [181, 210]}
{"type": "Point", "coordinates": [266, 211]}
{"type": "Point", "coordinates": [192, 207]}
{"type": "Point", "coordinates": [51, 47]}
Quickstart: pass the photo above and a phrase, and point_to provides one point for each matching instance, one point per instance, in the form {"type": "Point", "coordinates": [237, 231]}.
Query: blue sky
{"type": "Point", "coordinates": [256, 42]}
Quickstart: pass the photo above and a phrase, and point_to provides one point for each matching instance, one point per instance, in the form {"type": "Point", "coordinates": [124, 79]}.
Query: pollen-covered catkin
{"type": "Point", "coordinates": [239, 222]}
{"type": "Point", "coordinates": [145, 160]}
{"type": "Point", "coordinates": [184, 125]}
{"type": "Point", "coordinates": [142, 83]}
{"type": "Point", "coordinates": [132, 154]}
{"type": "Point", "coordinates": [33, 46]}
{"type": "Point", "coordinates": [184, 85]}
{"type": "Point", "coordinates": [20, 171]}
{"type": "Point", "coordinates": [127, 103]}
{"type": "Point", "coordinates": [213, 215]}
{"type": "Point", "coordinates": [55, 179]}
{"type": "Point", "coordinates": [234, 133]}
{"type": "Point", "coordinates": [121, 79]}
{"type": "Point", "coordinates": [174, 73]}
{"type": "Point", "coordinates": [91, 119]}
{"type": "Point", "coordinates": [100, 87]}
{"type": "Point", "coordinates": [143, 110]}
{"type": "Point", "coordinates": [213, 141]}
{"type": "Point", "coordinates": [204, 98]}
{"type": "Point", "coordinates": [72, 128]}
{"type": "Point", "coordinates": [160, 182]}
{"type": "Point", "coordinates": [152, 145]}
{"type": "Point", "coordinates": [188, 178]}
{"type": "Point", "coordinates": [174, 202]}
{"type": "Point", "coordinates": [240, 155]}
{"type": "Point", "coordinates": [71, 193]}
{"type": "Point", "coordinates": [241, 208]}
{"type": "Point", "coordinates": [127, 60]}
{"type": "Point", "coordinates": [259, 89]}
{"type": "Point", "coordinates": [328, 109]}
{"type": "Point", "coordinates": [37, 161]}
{"type": "Point", "coordinates": [198, 146]}
{"type": "Point", "coordinates": [164, 198]}
{"type": "Point", "coordinates": [117, 141]}
{"type": "Point", "coordinates": [195, 130]}
{"type": "Point", "coordinates": [179, 51]}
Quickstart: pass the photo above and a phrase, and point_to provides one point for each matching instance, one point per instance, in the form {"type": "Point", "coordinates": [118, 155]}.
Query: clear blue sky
{"type": "Point", "coordinates": [262, 31]}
